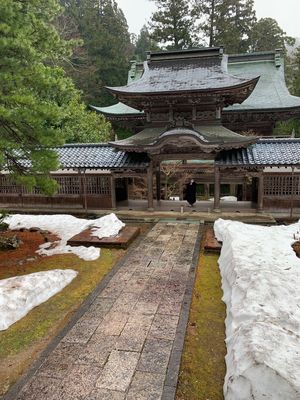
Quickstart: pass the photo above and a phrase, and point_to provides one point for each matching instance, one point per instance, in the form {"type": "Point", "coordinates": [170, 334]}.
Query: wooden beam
{"type": "Point", "coordinates": [150, 185]}
{"type": "Point", "coordinates": [84, 191]}
{"type": "Point", "coordinates": [129, 175]}
{"type": "Point", "coordinates": [184, 156]}
{"type": "Point", "coordinates": [158, 182]}
{"type": "Point", "coordinates": [113, 192]}
{"type": "Point", "coordinates": [217, 190]}
{"type": "Point", "coordinates": [260, 194]}
{"type": "Point", "coordinates": [293, 192]}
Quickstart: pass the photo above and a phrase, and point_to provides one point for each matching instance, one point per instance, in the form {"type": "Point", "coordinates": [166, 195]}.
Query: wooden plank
{"type": "Point", "coordinates": [122, 240]}
{"type": "Point", "coordinates": [210, 242]}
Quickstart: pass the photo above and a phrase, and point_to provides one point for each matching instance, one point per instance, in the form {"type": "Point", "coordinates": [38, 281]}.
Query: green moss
{"type": "Point", "coordinates": [203, 366]}
{"type": "Point", "coordinates": [47, 316]}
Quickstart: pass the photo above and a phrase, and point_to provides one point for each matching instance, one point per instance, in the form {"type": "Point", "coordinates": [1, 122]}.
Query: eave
{"type": "Point", "coordinates": [231, 94]}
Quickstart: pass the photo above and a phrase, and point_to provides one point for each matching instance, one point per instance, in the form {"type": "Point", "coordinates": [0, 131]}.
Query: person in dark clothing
{"type": "Point", "coordinates": [191, 192]}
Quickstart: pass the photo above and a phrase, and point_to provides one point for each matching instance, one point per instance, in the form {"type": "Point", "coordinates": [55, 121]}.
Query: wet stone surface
{"type": "Point", "coordinates": [121, 346]}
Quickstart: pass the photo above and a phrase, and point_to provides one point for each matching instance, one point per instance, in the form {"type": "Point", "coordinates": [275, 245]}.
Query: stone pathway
{"type": "Point", "coordinates": [128, 343]}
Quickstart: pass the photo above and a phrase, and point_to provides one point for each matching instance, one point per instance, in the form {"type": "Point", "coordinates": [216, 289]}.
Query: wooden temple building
{"type": "Point", "coordinates": [210, 114]}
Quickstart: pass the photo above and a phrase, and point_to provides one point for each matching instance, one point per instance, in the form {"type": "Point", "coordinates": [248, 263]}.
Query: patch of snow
{"type": "Point", "coordinates": [67, 226]}
{"type": "Point", "coordinates": [107, 226]}
{"type": "Point", "coordinates": [226, 199]}
{"type": "Point", "coordinates": [21, 294]}
{"type": "Point", "coordinates": [260, 280]}
{"type": "Point", "coordinates": [229, 198]}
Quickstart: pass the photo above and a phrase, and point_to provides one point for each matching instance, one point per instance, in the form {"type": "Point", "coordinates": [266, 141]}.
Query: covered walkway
{"type": "Point", "coordinates": [182, 206]}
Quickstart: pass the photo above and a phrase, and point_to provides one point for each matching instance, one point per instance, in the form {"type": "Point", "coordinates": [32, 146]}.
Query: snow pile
{"type": "Point", "coordinates": [260, 279]}
{"type": "Point", "coordinates": [228, 199]}
{"type": "Point", "coordinates": [67, 226]}
{"type": "Point", "coordinates": [21, 294]}
{"type": "Point", "coordinates": [109, 225]}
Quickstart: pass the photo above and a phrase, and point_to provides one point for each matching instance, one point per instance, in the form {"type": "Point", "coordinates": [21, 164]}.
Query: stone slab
{"type": "Point", "coordinates": [118, 371]}
{"type": "Point", "coordinates": [146, 386]}
{"type": "Point", "coordinates": [127, 340]}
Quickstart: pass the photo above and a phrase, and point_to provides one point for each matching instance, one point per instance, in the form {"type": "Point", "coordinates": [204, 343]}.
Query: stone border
{"type": "Point", "coordinates": [171, 381]}
{"type": "Point", "coordinates": [21, 382]}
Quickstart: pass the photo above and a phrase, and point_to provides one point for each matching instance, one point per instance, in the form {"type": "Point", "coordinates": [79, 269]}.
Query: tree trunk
{"type": "Point", "coordinates": [212, 20]}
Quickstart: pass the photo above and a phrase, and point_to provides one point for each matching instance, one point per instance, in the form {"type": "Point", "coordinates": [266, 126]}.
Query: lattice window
{"type": "Point", "coordinates": [68, 184]}
{"type": "Point", "coordinates": [8, 186]}
{"type": "Point", "coordinates": [281, 185]}
{"type": "Point", "coordinates": [97, 184]}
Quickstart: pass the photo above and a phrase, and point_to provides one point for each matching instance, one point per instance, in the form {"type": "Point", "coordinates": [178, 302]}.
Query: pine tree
{"type": "Point", "coordinates": [38, 103]}
{"type": "Point", "coordinates": [293, 79]}
{"type": "Point", "coordinates": [107, 47]}
{"type": "Point", "coordinates": [144, 43]}
{"type": "Point", "coordinates": [172, 24]}
{"type": "Point", "coordinates": [226, 22]}
{"type": "Point", "coordinates": [267, 35]}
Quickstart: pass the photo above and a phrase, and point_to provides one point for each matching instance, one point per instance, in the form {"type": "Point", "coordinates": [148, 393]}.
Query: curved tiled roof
{"type": "Point", "coordinates": [266, 152]}
{"type": "Point", "coordinates": [96, 156]}
{"type": "Point", "coordinates": [271, 91]}
{"type": "Point", "coordinates": [117, 109]}
{"type": "Point", "coordinates": [210, 136]}
{"type": "Point", "coordinates": [185, 71]}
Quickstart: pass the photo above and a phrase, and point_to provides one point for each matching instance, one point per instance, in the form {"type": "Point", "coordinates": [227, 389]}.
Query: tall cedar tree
{"type": "Point", "coordinates": [106, 50]}
{"type": "Point", "coordinates": [172, 25]}
{"type": "Point", "coordinates": [226, 23]}
{"type": "Point", "coordinates": [144, 43]}
{"type": "Point", "coordinates": [293, 75]}
{"type": "Point", "coordinates": [39, 105]}
{"type": "Point", "coordinates": [267, 35]}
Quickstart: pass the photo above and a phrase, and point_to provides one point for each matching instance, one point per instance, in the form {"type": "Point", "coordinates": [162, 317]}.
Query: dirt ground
{"type": "Point", "coordinates": [296, 248]}
{"type": "Point", "coordinates": [14, 261]}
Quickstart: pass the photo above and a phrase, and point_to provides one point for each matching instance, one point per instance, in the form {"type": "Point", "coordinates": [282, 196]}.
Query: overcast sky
{"type": "Point", "coordinates": [286, 12]}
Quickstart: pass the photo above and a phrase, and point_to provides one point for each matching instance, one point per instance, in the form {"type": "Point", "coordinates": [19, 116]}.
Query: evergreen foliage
{"type": "Point", "coordinates": [267, 35]}
{"type": "Point", "coordinates": [103, 58]}
{"type": "Point", "coordinates": [144, 43]}
{"type": "Point", "coordinates": [172, 24]}
{"type": "Point", "coordinates": [292, 126]}
{"type": "Point", "coordinates": [227, 23]}
{"type": "Point", "coordinates": [38, 103]}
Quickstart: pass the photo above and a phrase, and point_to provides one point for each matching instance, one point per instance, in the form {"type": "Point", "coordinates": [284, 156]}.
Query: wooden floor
{"type": "Point", "coordinates": [200, 206]}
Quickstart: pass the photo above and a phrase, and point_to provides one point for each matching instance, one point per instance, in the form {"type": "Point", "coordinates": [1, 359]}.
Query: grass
{"type": "Point", "coordinates": [203, 367]}
{"type": "Point", "coordinates": [23, 341]}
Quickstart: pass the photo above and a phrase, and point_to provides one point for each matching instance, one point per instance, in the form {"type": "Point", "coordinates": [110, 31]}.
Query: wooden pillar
{"type": "Point", "coordinates": [150, 185]}
{"type": "Point", "coordinates": [260, 194]}
{"type": "Point", "coordinates": [232, 189]}
{"type": "Point", "coordinates": [158, 182]}
{"type": "Point", "coordinates": [84, 190]}
{"type": "Point", "coordinates": [217, 190]}
{"type": "Point", "coordinates": [293, 193]}
{"type": "Point", "coordinates": [126, 187]}
{"type": "Point", "coordinates": [113, 192]}
{"type": "Point", "coordinates": [206, 191]}
{"type": "Point", "coordinates": [244, 198]}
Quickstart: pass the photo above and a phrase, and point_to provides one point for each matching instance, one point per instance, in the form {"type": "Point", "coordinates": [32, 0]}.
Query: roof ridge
{"type": "Point", "coordinates": [279, 140]}
{"type": "Point", "coordinates": [66, 145]}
